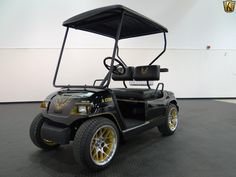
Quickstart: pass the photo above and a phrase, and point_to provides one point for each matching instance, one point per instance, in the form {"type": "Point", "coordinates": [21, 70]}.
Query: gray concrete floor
{"type": "Point", "coordinates": [204, 145]}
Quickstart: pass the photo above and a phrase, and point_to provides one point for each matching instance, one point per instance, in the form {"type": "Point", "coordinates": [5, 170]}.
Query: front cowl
{"type": "Point", "coordinates": [63, 103]}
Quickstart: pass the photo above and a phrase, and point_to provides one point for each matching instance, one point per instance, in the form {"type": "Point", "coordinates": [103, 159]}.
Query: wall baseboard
{"type": "Point", "coordinates": [20, 102]}
{"type": "Point", "coordinates": [203, 98]}
{"type": "Point", "coordinates": [209, 98]}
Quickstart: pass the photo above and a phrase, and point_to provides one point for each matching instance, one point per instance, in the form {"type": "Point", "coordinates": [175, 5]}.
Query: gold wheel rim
{"type": "Point", "coordinates": [103, 145]}
{"type": "Point", "coordinates": [173, 119]}
{"type": "Point", "coordinates": [49, 142]}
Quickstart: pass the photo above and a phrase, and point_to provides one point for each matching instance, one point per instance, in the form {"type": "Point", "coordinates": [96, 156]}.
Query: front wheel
{"type": "Point", "coordinates": [171, 122]}
{"type": "Point", "coordinates": [95, 143]}
{"type": "Point", "coordinates": [35, 134]}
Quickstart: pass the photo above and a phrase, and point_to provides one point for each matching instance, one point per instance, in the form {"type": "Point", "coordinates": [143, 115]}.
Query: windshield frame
{"type": "Point", "coordinates": [107, 79]}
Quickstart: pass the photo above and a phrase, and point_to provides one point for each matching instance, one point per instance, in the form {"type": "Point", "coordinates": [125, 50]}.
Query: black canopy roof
{"type": "Point", "coordinates": [105, 21]}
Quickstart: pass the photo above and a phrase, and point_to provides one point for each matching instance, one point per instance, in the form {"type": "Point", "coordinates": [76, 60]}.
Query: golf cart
{"type": "Point", "coordinates": [96, 117]}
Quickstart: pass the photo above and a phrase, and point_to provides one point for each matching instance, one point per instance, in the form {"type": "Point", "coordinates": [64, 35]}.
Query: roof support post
{"type": "Point", "coordinates": [59, 60]}
{"type": "Point", "coordinates": [107, 79]}
{"type": "Point", "coordinates": [163, 51]}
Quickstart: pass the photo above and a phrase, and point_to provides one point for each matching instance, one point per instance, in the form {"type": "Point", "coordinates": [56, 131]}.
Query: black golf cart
{"type": "Point", "coordinates": [95, 117]}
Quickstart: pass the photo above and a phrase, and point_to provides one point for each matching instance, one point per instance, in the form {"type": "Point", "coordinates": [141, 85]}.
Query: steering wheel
{"type": "Point", "coordinates": [118, 67]}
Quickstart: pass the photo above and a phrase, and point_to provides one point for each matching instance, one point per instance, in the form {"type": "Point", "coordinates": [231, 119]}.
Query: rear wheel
{"type": "Point", "coordinates": [171, 122]}
{"type": "Point", "coordinates": [35, 134]}
{"type": "Point", "coordinates": [95, 143]}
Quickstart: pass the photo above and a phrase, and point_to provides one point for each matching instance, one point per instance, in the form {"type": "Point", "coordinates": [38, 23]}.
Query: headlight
{"type": "Point", "coordinates": [44, 105]}
{"type": "Point", "coordinates": [81, 109]}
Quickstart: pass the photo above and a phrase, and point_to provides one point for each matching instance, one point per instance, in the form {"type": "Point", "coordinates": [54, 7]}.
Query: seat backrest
{"type": "Point", "coordinates": [147, 73]}
{"type": "Point", "coordinates": [127, 76]}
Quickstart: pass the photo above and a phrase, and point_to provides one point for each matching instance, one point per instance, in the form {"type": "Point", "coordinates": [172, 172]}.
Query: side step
{"type": "Point", "coordinates": [133, 122]}
{"type": "Point", "coordinates": [135, 127]}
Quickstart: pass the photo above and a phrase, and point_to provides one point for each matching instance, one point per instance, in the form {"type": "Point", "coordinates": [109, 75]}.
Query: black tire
{"type": "Point", "coordinates": [167, 128]}
{"type": "Point", "coordinates": [87, 140]}
{"type": "Point", "coordinates": [35, 134]}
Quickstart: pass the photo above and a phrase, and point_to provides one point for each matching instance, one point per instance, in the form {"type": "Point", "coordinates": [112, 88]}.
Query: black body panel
{"type": "Point", "coordinates": [108, 102]}
{"type": "Point", "coordinates": [131, 115]}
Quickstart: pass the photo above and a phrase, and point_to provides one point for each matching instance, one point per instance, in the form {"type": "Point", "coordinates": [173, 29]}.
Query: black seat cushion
{"type": "Point", "coordinates": [139, 94]}
{"type": "Point", "coordinates": [146, 73]}
{"type": "Point", "coordinates": [127, 76]}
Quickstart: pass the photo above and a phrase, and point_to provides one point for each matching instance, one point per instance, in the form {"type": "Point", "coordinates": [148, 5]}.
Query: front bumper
{"type": "Point", "coordinates": [59, 135]}
{"type": "Point", "coordinates": [66, 120]}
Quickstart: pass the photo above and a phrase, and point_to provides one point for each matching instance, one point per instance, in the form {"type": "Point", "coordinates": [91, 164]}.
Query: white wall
{"type": "Point", "coordinates": [27, 74]}
{"type": "Point", "coordinates": [192, 24]}
{"type": "Point", "coordinates": [31, 35]}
